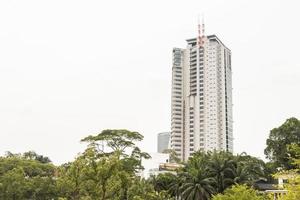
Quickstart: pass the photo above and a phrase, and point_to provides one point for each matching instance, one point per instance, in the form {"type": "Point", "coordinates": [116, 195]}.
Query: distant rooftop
{"type": "Point", "coordinates": [210, 37]}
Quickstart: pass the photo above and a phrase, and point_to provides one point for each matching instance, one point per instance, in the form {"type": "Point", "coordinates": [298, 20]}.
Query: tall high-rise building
{"type": "Point", "coordinates": [163, 141]}
{"type": "Point", "coordinates": [201, 97]}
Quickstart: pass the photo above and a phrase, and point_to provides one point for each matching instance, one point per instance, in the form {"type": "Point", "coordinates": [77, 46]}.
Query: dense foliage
{"type": "Point", "coordinates": [26, 177]}
{"type": "Point", "coordinates": [106, 174]}
{"type": "Point", "coordinates": [280, 138]}
{"type": "Point", "coordinates": [293, 185]}
{"type": "Point", "coordinates": [109, 169]}
{"type": "Point", "coordinates": [239, 192]}
{"type": "Point", "coordinates": [210, 173]}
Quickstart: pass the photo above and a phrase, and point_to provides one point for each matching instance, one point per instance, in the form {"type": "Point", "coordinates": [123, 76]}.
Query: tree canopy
{"type": "Point", "coordinates": [279, 139]}
{"type": "Point", "coordinates": [109, 168]}
{"type": "Point", "coordinates": [239, 192]}
{"type": "Point", "coordinates": [24, 177]}
{"type": "Point", "coordinates": [206, 174]}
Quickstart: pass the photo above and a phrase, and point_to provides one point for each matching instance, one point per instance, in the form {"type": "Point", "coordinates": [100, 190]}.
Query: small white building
{"type": "Point", "coordinates": [152, 165]}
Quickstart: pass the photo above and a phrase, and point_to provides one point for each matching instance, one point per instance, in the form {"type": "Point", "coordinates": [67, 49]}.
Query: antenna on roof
{"type": "Point", "coordinates": [199, 37]}
{"type": "Point", "coordinates": [203, 26]}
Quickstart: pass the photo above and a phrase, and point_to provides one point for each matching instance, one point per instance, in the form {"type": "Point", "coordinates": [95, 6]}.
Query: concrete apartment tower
{"type": "Point", "coordinates": [201, 96]}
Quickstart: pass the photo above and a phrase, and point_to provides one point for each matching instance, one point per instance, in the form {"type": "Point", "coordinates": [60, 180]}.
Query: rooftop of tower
{"type": "Point", "coordinates": [193, 41]}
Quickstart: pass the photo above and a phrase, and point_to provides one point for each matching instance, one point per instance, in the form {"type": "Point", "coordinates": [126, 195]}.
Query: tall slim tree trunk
{"type": "Point", "coordinates": [103, 191]}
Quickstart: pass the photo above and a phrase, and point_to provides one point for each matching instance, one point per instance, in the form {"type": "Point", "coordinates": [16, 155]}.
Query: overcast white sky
{"type": "Point", "coordinates": [72, 68]}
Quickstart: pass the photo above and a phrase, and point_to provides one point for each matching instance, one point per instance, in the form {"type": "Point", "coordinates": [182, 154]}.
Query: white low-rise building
{"type": "Point", "coordinates": [151, 166]}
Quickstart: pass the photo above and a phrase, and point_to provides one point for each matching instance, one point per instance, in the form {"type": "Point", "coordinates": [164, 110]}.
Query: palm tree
{"type": "Point", "coordinates": [221, 167]}
{"type": "Point", "coordinates": [175, 185]}
{"type": "Point", "coordinates": [197, 186]}
{"type": "Point", "coordinates": [241, 175]}
{"type": "Point", "coordinates": [196, 182]}
{"type": "Point", "coordinates": [248, 170]}
{"type": "Point", "coordinates": [161, 182]}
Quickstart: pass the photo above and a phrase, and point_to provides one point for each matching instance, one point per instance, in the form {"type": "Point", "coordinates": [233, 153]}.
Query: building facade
{"type": "Point", "coordinates": [163, 141]}
{"type": "Point", "coordinates": [201, 97]}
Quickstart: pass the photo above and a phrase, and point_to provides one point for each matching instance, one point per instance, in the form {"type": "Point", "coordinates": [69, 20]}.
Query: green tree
{"type": "Point", "coordinates": [162, 182]}
{"type": "Point", "coordinates": [239, 192]}
{"type": "Point", "coordinates": [248, 169]}
{"type": "Point", "coordinates": [106, 169]}
{"type": "Point", "coordinates": [279, 140]}
{"type": "Point", "coordinates": [31, 155]}
{"type": "Point", "coordinates": [269, 170]}
{"type": "Point", "coordinates": [293, 189]}
{"type": "Point", "coordinates": [13, 185]}
{"type": "Point", "coordinates": [208, 173]}
{"type": "Point", "coordinates": [26, 178]}
{"type": "Point", "coordinates": [122, 143]}
{"type": "Point", "coordinates": [114, 139]}
{"type": "Point", "coordinates": [294, 154]}
{"type": "Point", "coordinates": [221, 166]}
{"type": "Point", "coordinates": [71, 179]}
{"type": "Point", "coordinates": [142, 189]}
{"type": "Point", "coordinates": [90, 176]}
{"type": "Point", "coordinates": [293, 185]}
{"type": "Point", "coordinates": [197, 182]}
{"type": "Point", "coordinates": [197, 186]}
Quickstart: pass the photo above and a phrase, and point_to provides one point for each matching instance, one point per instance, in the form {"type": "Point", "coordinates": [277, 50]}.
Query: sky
{"type": "Point", "coordinates": [70, 68]}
